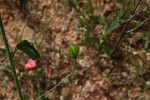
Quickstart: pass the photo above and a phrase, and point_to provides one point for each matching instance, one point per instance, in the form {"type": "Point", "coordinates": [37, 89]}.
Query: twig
{"type": "Point", "coordinates": [119, 39]}
{"type": "Point", "coordinates": [131, 30]}
{"type": "Point", "coordinates": [132, 12]}
{"type": "Point", "coordinates": [136, 6]}
{"type": "Point", "coordinates": [125, 21]}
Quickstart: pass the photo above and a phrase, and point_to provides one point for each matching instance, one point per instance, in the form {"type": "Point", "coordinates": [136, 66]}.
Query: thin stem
{"type": "Point", "coordinates": [124, 21]}
{"type": "Point", "coordinates": [131, 30]}
{"type": "Point", "coordinates": [132, 12]}
{"type": "Point", "coordinates": [73, 68]}
{"type": "Point", "coordinates": [38, 91]}
{"type": "Point", "coordinates": [119, 39]}
{"type": "Point", "coordinates": [27, 19]}
{"type": "Point", "coordinates": [10, 59]}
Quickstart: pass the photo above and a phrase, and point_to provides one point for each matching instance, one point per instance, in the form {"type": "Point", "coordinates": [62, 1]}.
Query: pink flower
{"type": "Point", "coordinates": [30, 64]}
{"type": "Point", "coordinates": [50, 72]}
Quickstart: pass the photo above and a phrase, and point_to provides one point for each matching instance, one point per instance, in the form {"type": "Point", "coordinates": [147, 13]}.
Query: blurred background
{"type": "Point", "coordinates": [95, 25]}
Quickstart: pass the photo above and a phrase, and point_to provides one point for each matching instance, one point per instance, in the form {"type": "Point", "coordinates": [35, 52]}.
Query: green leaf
{"type": "Point", "coordinates": [28, 49]}
{"type": "Point", "coordinates": [119, 14]}
{"type": "Point", "coordinates": [113, 25]}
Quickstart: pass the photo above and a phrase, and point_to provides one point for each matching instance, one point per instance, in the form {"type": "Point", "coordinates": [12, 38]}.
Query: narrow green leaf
{"type": "Point", "coordinates": [120, 14]}
{"type": "Point", "coordinates": [28, 49]}
{"type": "Point", "coordinates": [113, 25]}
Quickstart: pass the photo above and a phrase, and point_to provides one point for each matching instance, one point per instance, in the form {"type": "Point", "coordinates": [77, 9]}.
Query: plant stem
{"type": "Point", "coordinates": [38, 91]}
{"type": "Point", "coordinates": [69, 75]}
{"type": "Point", "coordinates": [10, 59]}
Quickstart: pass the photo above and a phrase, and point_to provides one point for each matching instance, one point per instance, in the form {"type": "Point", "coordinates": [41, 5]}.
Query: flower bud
{"type": "Point", "coordinates": [73, 50]}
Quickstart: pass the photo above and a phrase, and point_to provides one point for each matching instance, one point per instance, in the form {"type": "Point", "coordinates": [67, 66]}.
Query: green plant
{"type": "Point", "coordinates": [10, 59]}
{"type": "Point", "coordinates": [89, 21]}
{"type": "Point", "coordinates": [73, 51]}
{"type": "Point", "coordinates": [87, 18]}
{"type": "Point", "coordinates": [128, 18]}
{"type": "Point", "coordinates": [24, 46]}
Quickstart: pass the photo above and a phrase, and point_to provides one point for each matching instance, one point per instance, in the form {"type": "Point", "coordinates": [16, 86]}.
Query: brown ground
{"type": "Point", "coordinates": [96, 78]}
